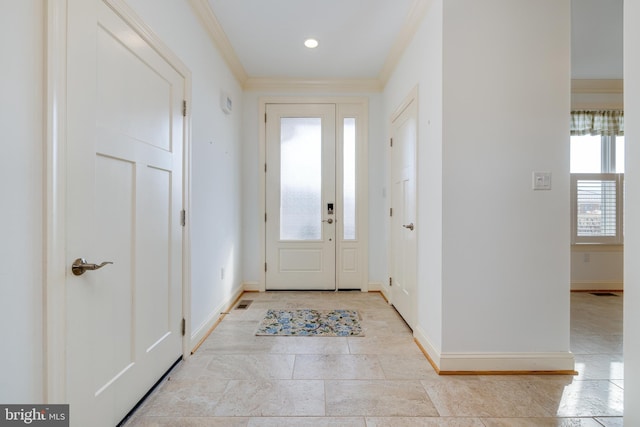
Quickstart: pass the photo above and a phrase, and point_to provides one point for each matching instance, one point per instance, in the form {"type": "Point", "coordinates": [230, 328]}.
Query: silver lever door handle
{"type": "Point", "coordinates": [80, 265]}
{"type": "Point", "coordinates": [410, 226]}
{"type": "Point", "coordinates": [329, 221]}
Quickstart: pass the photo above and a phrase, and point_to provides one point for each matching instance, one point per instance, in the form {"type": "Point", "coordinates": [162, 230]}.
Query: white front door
{"type": "Point", "coordinates": [403, 217]}
{"type": "Point", "coordinates": [124, 200]}
{"type": "Point", "coordinates": [300, 196]}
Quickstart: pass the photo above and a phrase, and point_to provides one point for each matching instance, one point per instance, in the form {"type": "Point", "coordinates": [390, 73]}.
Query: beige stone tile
{"type": "Point", "coordinates": [192, 368]}
{"type": "Point", "coordinates": [619, 383]}
{"type": "Point", "coordinates": [597, 344]}
{"type": "Point", "coordinates": [251, 366]}
{"type": "Point", "coordinates": [383, 345]}
{"type": "Point", "coordinates": [272, 398]}
{"type": "Point", "coordinates": [377, 398]}
{"type": "Point", "coordinates": [407, 367]}
{"type": "Point", "coordinates": [423, 422]}
{"type": "Point", "coordinates": [188, 422]}
{"type": "Point", "coordinates": [610, 421]}
{"type": "Point", "coordinates": [489, 398]}
{"type": "Point", "coordinates": [337, 366]}
{"type": "Point", "coordinates": [309, 345]}
{"type": "Point", "coordinates": [591, 399]}
{"type": "Point", "coordinates": [384, 328]}
{"type": "Point", "coordinates": [540, 422]}
{"type": "Point", "coordinates": [227, 382]}
{"type": "Point", "coordinates": [184, 398]}
{"type": "Point", "coordinates": [599, 366]}
{"type": "Point", "coordinates": [307, 422]}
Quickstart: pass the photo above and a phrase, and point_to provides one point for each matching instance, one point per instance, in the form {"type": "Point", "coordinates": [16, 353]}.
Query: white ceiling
{"type": "Point", "coordinates": [358, 37]}
{"type": "Point", "coordinates": [596, 39]}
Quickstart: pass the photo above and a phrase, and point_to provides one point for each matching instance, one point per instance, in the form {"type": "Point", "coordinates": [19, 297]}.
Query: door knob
{"type": "Point", "coordinates": [410, 226]}
{"type": "Point", "coordinates": [329, 221]}
{"type": "Point", "coordinates": [80, 265]}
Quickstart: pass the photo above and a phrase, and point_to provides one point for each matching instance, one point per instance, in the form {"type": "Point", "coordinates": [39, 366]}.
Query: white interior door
{"type": "Point", "coordinates": [403, 218]}
{"type": "Point", "coordinates": [300, 196]}
{"type": "Point", "coordinates": [124, 199]}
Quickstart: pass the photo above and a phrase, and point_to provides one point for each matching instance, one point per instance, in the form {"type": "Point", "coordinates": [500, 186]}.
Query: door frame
{"type": "Point", "coordinates": [340, 103]}
{"type": "Point", "coordinates": [55, 212]}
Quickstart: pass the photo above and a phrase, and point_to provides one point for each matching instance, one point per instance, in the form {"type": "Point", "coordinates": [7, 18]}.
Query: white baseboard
{"type": "Point", "coordinates": [379, 287]}
{"type": "Point", "coordinates": [433, 353]}
{"type": "Point", "coordinates": [201, 331]}
{"type": "Point", "coordinates": [561, 362]}
{"type": "Point", "coordinates": [252, 287]}
{"type": "Point", "coordinates": [586, 285]}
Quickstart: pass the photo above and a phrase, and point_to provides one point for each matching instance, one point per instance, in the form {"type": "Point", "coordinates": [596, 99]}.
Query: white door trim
{"type": "Point", "coordinates": [55, 270]}
{"type": "Point", "coordinates": [262, 111]}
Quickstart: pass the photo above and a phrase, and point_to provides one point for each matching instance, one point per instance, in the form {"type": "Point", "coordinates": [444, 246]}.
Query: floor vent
{"type": "Point", "coordinates": [244, 304]}
{"type": "Point", "coordinates": [603, 294]}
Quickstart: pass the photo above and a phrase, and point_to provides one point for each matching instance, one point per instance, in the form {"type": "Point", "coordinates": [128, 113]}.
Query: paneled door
{"type": "Point", "coordinates": [124, 201]}
{"type": "Point", "coordinates": [403, 267]}
{"type": "Point", "coordinates": [301, 196]}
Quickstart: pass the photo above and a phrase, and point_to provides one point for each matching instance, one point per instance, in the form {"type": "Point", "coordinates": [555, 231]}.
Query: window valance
{"type": "Point", "coordinates": [603, 122]}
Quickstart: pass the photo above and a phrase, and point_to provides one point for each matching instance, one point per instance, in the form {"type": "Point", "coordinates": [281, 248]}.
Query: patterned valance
{"type": "Point", "coordinates": [604, 122]}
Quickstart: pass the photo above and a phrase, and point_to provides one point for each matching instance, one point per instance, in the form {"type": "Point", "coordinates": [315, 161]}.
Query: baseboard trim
{"type": "Point", "coordinates": [585, 285]}
{"type": "Point", "coordinates": [560, 363]}
{"type": "Point", "coordinates": [252, 287]}
{"type": "Point", "coordinates": [205, 329]}
{"type": "Point", "coordinates": [379, 287]}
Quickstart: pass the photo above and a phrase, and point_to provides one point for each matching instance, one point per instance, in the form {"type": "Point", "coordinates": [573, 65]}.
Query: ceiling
{"type": "Point", "coordinates": [596, 39]}
{"type": "Point", "coordinates": [362, 39]}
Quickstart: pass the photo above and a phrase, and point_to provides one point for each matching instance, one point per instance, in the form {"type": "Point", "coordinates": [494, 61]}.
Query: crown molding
{"type": "Point", "coordinates": [414, 18]}
{"type": "Point", "coordinates": [597, 86]}
{"type": "Point", "coordinates": [313, 85]}
{"type": "Point", "coordinates": [203, 10]}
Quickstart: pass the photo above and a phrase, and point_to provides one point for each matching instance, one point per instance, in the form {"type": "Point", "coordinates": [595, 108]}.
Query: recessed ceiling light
{"type": "Point", "coordinates": [311, 43]}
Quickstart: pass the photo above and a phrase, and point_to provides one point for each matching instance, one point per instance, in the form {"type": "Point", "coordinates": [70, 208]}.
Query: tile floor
{"type": "Point", "coordinates": [380, 380]}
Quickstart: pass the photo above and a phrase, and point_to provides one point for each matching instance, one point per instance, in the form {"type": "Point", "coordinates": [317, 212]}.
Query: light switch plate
{"type": "Point", "coordinates": [542, 180]}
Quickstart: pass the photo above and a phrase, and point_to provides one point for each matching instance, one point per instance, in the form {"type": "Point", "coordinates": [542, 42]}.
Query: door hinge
{"type": "Point", "coordinates": [184, 108]}
{"type": "Point", "coordinates": [183, 217]}
{"type": "Point", "coordinates": [265, 217]}
{"type": "Point", "coordinates": [390, 281]}
{"type": "Point", "coordinates": [265, 168]}
{"type": "Point", "coordinates": [265, 117]}
{"type": "Point", "coordinates": [390, 211]}
{"type": "Point", "coordinates": [265, 267]}
{"type": "Point", "coordinates": [183, 327]}
{"type": "Point", "coordinates": [391, 142]}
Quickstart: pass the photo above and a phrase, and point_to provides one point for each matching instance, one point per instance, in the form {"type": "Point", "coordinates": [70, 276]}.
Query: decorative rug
{"type": "Point", "coordinates": [307, 322]}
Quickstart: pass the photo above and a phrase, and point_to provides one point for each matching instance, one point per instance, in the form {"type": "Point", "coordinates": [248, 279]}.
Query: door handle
{"type": "Point", "coordinates": [410, 226]}
{"type": "Point", "coordinates": [80, 265]}
{"type": "Point", "coordinates": [328, 221]}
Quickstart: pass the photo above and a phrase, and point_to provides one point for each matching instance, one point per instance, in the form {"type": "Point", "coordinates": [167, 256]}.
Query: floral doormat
{"type": "Point", "coordinates": [307, 322]}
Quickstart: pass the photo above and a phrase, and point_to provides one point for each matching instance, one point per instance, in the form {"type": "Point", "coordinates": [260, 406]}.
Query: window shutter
{"type": "Point", "coordinates": [597, 208]}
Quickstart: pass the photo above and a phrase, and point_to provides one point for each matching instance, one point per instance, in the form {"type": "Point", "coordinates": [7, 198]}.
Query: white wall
{"type": "Point", "coordinates": [597, 268]}
{"type": "Point", "coordinates": [253, 213]}
{"type": "Point", "coordinates": [21, 216]}
{"type": "Point", "coordinates": [421, 65]}
{"type": "Point", "coordinates": [216, 206]}
{"type": "Point", "coordinates": [494, 92]}
{"type": "Point", "coordinates": [632, 213]}
{"type": "Point", "coordinates": [506, 97]}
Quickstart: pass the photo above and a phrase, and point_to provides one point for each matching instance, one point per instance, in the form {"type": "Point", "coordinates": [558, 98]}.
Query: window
{"type": "Point", "coordinates": [597, 183]}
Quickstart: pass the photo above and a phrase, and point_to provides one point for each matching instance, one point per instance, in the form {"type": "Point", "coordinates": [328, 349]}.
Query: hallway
{"type": "Point", "coordinates": [382, 379]}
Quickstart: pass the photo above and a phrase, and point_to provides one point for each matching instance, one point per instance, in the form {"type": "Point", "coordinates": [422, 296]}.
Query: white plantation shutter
{"type": "Point", "coordinates": [597, 208]}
